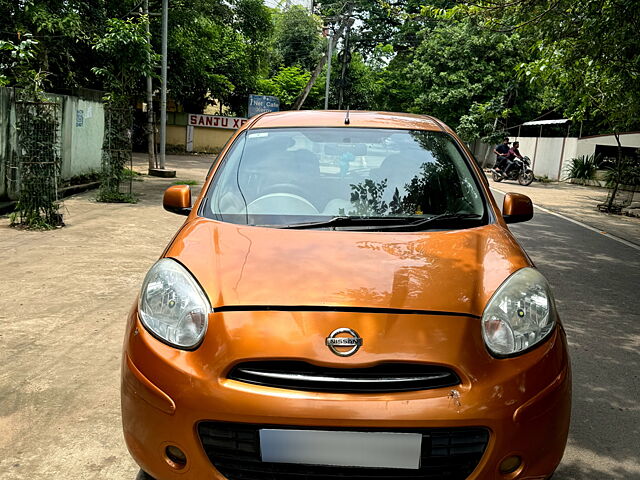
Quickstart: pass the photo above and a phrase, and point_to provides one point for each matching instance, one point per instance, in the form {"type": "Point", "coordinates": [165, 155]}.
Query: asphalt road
{"type": "Point", "coordinates": [596, 282]}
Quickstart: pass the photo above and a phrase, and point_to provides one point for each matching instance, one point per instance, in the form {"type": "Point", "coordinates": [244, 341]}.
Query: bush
{"type": "Point", "coordinates": [583, 168]}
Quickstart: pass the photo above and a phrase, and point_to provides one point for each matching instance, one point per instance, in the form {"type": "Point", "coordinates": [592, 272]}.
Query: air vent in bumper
{"type": "Point", "coordinates": [447, 453]}
{"type": "Point", "coordinates": [382, 378]}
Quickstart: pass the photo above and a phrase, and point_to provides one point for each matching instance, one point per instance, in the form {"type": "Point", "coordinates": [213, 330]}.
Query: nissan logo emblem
{"type": "Point", "coordinates": [345, 345]}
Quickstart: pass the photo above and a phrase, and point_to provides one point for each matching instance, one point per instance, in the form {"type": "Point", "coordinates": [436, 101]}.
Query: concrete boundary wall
{"type": "Point", "coordinates": [81, 135]}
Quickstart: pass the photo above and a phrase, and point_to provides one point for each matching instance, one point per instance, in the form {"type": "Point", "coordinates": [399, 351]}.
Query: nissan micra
{"type": "Point", "coordinates": [345, 300]}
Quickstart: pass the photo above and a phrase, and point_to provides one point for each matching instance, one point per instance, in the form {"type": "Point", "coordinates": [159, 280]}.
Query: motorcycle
{"type": "Point", "coordinates": [520, 170]}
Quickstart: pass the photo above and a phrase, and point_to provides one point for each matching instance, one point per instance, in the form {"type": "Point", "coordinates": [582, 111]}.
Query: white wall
{"type": "Point", "coordinates": [549, 158]}
{"type": "Point", "coordinates": [587, 145]}
{"type": "Point", "coordinates": [547, 153]}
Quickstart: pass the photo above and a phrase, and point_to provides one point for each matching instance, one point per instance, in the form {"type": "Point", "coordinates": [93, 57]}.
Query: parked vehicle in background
{"type": "Point", "coordinates": [345, 300]}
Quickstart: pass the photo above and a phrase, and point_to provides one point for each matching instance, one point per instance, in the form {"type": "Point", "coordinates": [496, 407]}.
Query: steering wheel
{"type": "Point", "coordinates": [281, 203]}
{"type": "Point", "coordinates": [284, 188]}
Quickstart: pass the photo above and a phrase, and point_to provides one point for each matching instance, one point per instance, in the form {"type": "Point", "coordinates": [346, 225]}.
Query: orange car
{"type": "Point", "coordinates": [345, 300]}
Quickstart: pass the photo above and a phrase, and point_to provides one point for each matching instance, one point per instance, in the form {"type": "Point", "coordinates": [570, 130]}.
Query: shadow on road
{"type": "Point", "coordinates": [595, 281]}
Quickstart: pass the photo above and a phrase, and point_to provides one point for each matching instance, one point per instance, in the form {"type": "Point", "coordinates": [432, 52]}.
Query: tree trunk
{"type": "Point", "coordinates": [486, 155]}
{"type": "Point", "coordinates": [616, 184]}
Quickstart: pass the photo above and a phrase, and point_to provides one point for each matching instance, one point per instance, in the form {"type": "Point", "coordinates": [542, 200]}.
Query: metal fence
{"type": "Point", "coordinates": [35, 168]}
{"type": "Point", "coordinates": [116, 155]}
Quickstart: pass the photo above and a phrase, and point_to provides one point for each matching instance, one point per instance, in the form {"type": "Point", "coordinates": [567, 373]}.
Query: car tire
{"type": "Point", "coordinates": [142, 475]}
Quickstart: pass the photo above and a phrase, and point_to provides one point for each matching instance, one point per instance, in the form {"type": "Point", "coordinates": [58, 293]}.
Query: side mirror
{"type": "Point", "coordinates": [517, 208]}
{"type": "Point", "coordinates": [177, 199]}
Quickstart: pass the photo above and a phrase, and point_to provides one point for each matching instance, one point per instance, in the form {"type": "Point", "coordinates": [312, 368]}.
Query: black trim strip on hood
{"type": "Point", "coordinates": [330, 308]}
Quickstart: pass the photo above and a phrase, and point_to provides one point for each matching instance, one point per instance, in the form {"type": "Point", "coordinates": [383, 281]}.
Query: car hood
{"type": "Point", "coordinates": [442, 271]}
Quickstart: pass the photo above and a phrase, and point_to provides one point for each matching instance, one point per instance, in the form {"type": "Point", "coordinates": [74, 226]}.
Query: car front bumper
{"type": "Point", "coordinates": [524, 401]}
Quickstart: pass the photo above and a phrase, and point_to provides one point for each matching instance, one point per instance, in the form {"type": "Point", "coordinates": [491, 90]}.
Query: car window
{"type": "Point", "coordinates": [287, 175]}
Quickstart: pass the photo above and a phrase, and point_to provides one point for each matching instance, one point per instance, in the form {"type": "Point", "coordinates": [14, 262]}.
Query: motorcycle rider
{"type": "Point", "coordinates": [501, 152]}
{"type": "Point", "coordinates": [511, 154]}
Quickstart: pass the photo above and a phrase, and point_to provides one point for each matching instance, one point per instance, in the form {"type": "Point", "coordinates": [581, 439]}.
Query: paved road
{"type": "Point", "coordinates": [596, 281]}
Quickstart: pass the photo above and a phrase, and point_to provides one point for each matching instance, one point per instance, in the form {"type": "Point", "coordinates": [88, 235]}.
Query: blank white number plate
{"type": "Point", "coordinates": [351, 449]}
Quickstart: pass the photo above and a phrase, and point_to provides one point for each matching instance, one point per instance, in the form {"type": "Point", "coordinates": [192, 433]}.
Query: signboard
{"type": "Point", "coordinates": [214, 121]}
{"type": "Point", "coordinates": [263, 103]}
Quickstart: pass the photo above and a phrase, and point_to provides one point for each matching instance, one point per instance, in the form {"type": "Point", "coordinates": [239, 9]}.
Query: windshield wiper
{"type": "Point", "coordinates": [420, 224]}
{"type": "Point", "coordinates": [381, 223]}
{"type": "Point", "coordinates": [340, 221]}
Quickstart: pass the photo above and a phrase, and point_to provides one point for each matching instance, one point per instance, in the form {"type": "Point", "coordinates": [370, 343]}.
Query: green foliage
{"type": "Point", "coordinates": [128, 174]}
{"type": "Point", "coordinates": [63, 31]}
{"type": "Point", "coordinates": [463, 75]}
{"type": "Point", "coordinates": [209, 59]}
{"type": "Point", "coordinates": [185, 182]}
{"type": "Point", "coordinates": [287, 84]}
{"type": "Point", "coordinates": [625, 172]}
{"type": "Point", "coordinates": [116, 197]}
{"type": "Point", "coordinates": [18, 65]}
{"type": "Point", "coordinates": [583, 168]}
{"type": "Point", "coordinates": [126, 56]}
{"type": "Point", "coordinates": [297, 39]}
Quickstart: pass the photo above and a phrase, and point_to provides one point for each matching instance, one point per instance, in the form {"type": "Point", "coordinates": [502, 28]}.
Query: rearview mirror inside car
{"type": "Point", "coordinates": [177, 199]}
{"type": "Point", "coordinates": [517, 208]}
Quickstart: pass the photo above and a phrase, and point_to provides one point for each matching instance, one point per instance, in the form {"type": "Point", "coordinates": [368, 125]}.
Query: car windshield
{"type": "Point", "coordinates": [340, 177]}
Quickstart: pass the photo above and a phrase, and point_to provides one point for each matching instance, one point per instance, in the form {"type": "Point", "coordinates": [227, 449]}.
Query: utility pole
{"type": "Point", "coordinates": [346, 59]}
{"type": "Point", "coordinates": [161, 171]}
{"type": "Point", "coordinates": [314, 75]}
{"type": "Point", "coordinates": [163, 94]}
{"type": "Point", "coordinates": [326, 88]}
{"type": "Point", "coordinates": [151, 144]}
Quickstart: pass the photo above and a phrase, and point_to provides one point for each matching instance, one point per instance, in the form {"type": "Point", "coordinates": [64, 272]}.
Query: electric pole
{"type": "Point", "coordinates": [326, 88]}
{"type": "Point", "coordinates": [316, 73]}
{"type": "Point", "coordinates": [151, 144]}
{"type": "Point", "coordinates": [346, 59]}
{"type": "Point", "coordinates": [163, 94]}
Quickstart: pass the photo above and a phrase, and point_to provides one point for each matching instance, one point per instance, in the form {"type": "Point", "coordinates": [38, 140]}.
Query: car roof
{"type": "Point", "coordinates": [357, 118]}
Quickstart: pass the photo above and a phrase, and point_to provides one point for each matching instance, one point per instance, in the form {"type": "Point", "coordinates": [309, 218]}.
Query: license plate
{"type": "Point", "coordinates": [349, 449]}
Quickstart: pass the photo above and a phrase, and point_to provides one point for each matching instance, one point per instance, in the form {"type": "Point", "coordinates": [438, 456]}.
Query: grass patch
{"type": "Point", "coordinates": [185, 182]}
{"type": "Point", "coordinates": [111, 197]}
{"type": "Point", "coordinates": [544, 179]}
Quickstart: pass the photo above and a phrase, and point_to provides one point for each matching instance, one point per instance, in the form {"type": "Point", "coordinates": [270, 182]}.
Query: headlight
{"type": "Point", "coordinates": [520, 313]}
{"type": "Point", "coordinates": [173, 306]}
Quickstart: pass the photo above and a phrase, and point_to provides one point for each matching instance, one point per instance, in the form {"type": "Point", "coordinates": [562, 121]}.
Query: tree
{"type": "Point", "coordinates": [126, 57]}
{"type": "Point", "coordinates": [126, 54]}
{"type": "Point", "coordinates": [287, 84]}
{"type": "Point", "coordinates": [297, 39]}
{"type": "Point", "coordinates": [587, 57]}
{"type": "Point", "coordinates": [64, 30]}
{"type": "Point", "coordinates": [215, 51]}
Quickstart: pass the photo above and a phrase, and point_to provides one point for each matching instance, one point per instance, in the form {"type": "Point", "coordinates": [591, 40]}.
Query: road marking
{"type": "Point", "coordinates": [584, 225]}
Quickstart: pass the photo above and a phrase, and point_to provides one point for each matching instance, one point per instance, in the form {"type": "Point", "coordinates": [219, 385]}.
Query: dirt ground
{"type": "Point", "coordinates": [65, 295]}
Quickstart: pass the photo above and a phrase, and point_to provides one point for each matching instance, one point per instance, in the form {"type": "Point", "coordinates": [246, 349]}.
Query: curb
{"type": "Point", "coordinates": [9, 206]}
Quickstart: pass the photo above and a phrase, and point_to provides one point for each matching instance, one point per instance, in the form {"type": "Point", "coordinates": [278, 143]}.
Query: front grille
{"type": "Point", "coordinates": [447, 453]}
{"type": "Point", "coordinates": [382, 378]}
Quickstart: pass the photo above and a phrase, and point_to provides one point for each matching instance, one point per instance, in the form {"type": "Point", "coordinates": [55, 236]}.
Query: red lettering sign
{"type": "Point", "coordinates": [215, 121]}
